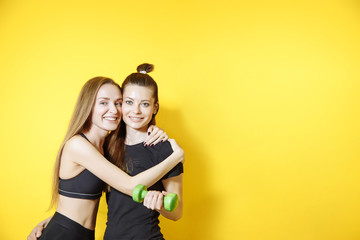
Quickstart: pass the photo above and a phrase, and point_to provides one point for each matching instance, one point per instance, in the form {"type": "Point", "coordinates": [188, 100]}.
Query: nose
{"type": "Point", "coordinates": [136, 108]}
{"type": "Point", "coordinates": [113, 108]}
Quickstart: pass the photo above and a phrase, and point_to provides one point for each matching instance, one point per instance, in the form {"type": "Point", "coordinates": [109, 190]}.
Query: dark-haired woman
{"type": "Point", "coordinates": [127, 219]}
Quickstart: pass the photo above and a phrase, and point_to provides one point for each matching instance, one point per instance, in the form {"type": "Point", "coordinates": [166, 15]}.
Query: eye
{"type": "Point", "coordinates": [145, 104]}
{"type": "Point", "coordinates": [128, 102]}
{"type": "Point", "coordinates": [118, 103]}
{"type": "Point", "coordinates": [103, 103]}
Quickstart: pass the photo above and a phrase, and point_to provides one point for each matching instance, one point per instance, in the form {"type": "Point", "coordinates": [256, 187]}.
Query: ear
{"type": "Point", "coordinates": [156, 108]}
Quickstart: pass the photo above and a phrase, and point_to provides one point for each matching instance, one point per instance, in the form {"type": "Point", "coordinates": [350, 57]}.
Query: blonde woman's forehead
{"type": "Point", "coordinates": [109, 91]}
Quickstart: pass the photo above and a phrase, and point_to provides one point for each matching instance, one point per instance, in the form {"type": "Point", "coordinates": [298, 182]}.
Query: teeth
{"type": "Point", "coordinates": [110, 118]}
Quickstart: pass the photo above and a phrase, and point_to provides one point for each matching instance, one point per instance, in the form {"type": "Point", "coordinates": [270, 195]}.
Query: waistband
{"type": "Point", "coordinates": [73, 226]}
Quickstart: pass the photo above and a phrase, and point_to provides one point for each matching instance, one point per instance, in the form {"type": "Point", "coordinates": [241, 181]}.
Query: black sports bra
{"type": "Point", "coordinates": [85, 185]}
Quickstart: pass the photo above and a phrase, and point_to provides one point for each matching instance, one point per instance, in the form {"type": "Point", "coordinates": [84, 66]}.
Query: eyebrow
{"type": "Point", "coordinates": [106, 98]}
{"type": "Point", "coordinates": [145, 100]}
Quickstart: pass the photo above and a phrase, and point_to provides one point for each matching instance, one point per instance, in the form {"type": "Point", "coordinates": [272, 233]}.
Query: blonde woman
{"type": "Point", "coordinates": [83, 165]}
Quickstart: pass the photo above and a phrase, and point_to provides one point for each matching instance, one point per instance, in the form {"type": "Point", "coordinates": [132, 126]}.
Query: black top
{"type": "Point", "coordinates": [85, 185]}
{"type": "Point", "coordinates": [126, 218]}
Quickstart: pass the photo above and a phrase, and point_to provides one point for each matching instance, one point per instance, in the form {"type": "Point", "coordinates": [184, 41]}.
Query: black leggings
{"type": "Point", "coordinates": [63, 228]}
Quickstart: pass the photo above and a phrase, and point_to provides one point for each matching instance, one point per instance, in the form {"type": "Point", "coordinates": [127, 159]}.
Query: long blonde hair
{"type": "Point", "coordinates": [81, 121]}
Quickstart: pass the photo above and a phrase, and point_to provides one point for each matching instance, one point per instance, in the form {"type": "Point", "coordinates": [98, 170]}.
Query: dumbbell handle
{"type": "Point", "coordinates": [170, 201]}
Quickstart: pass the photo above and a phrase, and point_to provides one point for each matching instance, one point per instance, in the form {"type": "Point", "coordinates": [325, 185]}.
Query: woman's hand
{"type": "Point", "coordinates": [155, 135]}
{"type": "Point", "coordinates": [154, 200]}
{"type": "Point", "coordinates": [37, 231]}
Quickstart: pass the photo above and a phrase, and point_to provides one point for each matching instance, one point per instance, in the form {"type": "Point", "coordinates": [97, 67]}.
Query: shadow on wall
{"type": "Point", "coordinates": [201, 205]}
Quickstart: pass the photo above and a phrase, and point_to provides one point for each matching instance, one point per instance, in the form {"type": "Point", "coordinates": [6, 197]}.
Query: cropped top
{"type": "Point", "coordinates": [85, 185]}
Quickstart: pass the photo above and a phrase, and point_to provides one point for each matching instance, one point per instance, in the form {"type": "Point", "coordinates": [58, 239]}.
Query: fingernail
{"type": "Point", "coordinates": [148, 133]}
{"type": "Point", "coordinates": [151, 145]}
{"type": "Point", "coordinates": [145, 144]}
{"type": "Point", "coordinates": [161, 141]}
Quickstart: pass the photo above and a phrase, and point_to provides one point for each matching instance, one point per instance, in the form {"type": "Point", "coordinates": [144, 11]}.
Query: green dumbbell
{"type": "Point", "coordinates": [171, 200]}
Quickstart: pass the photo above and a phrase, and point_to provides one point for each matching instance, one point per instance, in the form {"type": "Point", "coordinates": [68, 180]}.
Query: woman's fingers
{"type": "Point", "coordinates": [155, 135]}
{"type": "Point", "coordinates": [35, 233]}
{"type": "Point", "coordinates": [153, 200]}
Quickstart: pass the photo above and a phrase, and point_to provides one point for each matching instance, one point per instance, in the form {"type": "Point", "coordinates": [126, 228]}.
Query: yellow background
{"type": "Point", "coordinates": [263, 96]}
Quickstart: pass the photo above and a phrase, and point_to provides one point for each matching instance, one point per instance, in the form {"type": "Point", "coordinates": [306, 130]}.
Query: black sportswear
{"type": "Point", "coordinates": [85, 185]}
{"type": "Point", "coordinates": [126, 218]}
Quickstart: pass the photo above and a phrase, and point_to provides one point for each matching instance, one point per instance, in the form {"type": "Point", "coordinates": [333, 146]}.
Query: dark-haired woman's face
{"type": "Point", "coordinates": [138, 106]}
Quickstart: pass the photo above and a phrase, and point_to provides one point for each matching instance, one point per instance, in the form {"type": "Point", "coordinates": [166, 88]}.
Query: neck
{"type": "Point", "coordinates": [135, 136]}
{"type": "Point", "coordinates": [97, 138]}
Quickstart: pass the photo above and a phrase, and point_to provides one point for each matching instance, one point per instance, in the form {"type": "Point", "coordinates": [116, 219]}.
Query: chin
{"type": "Point", "coordinates": [137, 126]}
{"type": "Point", "coordinates": [111, 128]}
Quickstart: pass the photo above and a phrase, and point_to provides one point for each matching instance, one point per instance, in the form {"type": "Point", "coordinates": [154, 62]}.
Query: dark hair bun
{"type": "Point", "coordinates": [145, 67]}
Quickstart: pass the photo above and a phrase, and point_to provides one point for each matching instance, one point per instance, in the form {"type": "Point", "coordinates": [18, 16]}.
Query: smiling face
{"type": "Point", "coordinates": [138, 106]}
{"type": "Point", "coordinates": [106, 112]}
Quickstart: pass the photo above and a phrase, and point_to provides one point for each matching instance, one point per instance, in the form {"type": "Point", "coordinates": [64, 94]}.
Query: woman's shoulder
{"type": "Point", "coordinates": [77, 149]}
{"type": "Point", "coordinates": [76, 142]}
{"type": "Point", "coordinates": [162, 146]}
{"type": "Point", "coordinates": [163, 149]}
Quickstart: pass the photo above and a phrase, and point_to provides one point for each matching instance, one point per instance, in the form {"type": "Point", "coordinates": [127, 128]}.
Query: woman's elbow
{"type": "Point", "coordinates": [177, 217]}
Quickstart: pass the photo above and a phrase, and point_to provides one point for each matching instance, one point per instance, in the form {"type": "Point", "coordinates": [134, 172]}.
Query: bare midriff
{"type": "Point", "coordinates": [82, 211]}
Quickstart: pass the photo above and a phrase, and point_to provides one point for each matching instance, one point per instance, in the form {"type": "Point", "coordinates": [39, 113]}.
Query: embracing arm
{"type": "Point", "coordinates": [80, 151]}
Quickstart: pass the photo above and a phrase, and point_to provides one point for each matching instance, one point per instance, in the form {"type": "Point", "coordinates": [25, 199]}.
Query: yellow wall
{"type": "Point", "coordinates": [263, 96]}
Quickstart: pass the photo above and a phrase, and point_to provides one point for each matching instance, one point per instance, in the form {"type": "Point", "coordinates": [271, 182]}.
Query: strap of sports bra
{"type": "Point", "coordinates": [83, 135]}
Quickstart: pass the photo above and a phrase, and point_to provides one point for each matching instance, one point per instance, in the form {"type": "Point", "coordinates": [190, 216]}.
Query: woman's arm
{"type": "Point", "coordinates": [154, 199]}
{"type": "Point", "coordinates": [174, 185]}
{"type": "Point", "coordinates": [80, 151]}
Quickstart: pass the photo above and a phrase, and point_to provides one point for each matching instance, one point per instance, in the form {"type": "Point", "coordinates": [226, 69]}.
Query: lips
{"type": "Point", "coordinates": [135, 119]}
